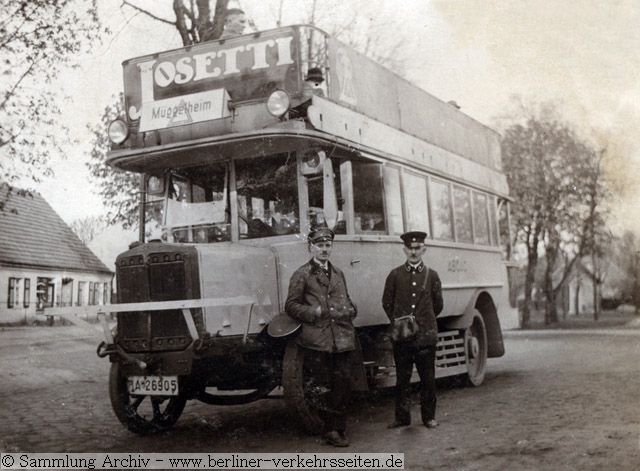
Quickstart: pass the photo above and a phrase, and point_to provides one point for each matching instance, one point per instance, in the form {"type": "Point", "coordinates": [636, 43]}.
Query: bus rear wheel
{"type": "Point", "coordinates": [142, 414]}
{"type": "Point", "coordinates": [475, 350]}
{"type": "Point", "coordinates": [296, 395]}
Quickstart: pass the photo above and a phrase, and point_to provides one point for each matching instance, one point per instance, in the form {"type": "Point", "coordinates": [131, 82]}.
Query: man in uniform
{"type": "Point", "coordinates": [414, 289]}
{"type": "Point", "coordinates": [318, 298]}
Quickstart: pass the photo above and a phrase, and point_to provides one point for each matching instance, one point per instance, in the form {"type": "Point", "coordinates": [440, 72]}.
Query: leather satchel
{"type": "Point", "coordinates": [404, 328]}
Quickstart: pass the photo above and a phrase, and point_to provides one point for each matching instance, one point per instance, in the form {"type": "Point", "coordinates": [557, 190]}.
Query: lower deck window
{"type": "Point", "coordinates": [368, 205]}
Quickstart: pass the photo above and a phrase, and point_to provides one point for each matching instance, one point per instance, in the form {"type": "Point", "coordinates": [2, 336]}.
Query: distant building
{"type": "Point", "coordinates": [42, 262]}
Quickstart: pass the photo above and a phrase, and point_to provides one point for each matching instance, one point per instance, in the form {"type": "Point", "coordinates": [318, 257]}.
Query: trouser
{"type": "Point", "coordinates": [329, 386]}
{"type": "Point", "coordinates": [405, 355]}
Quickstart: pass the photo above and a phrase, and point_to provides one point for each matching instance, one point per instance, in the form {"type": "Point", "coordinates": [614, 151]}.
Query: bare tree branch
{"type": "Point", "coordinates": [149, 14]}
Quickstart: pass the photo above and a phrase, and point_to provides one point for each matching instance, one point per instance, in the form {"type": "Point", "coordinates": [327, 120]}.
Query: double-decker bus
{"type": "Point", "coordinates": [243, 145]}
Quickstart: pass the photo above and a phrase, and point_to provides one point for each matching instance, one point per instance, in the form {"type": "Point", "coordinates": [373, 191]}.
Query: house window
{"type": "Point", "coordinates": [45, 292]}
{"type": "Point", "coordinates": [96, 293]}
{"type": "Point", "coordinates": [27, 292]}
{"type": "Point", "coordinates": [14, 286]}
{"type": "Point", "coordinates": [92, 299]}
{"type": "Point", "coordinates": [106, 294]}
{"type": "Point", "coordinates": [81, 287]}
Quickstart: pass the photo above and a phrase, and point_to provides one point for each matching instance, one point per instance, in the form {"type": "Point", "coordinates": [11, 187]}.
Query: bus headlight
{"type": "Point", "coordinates": [278, 103]}
{"type": "Point", "coordinates": [118, 131]}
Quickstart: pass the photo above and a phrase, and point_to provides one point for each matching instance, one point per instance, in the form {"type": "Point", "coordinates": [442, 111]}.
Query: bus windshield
{"type": "Point", "coordinates": [198, 208]}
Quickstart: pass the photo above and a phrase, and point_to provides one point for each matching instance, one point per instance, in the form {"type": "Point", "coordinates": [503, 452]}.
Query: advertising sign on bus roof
{"type": "Point", "coordinates": [195, 83]}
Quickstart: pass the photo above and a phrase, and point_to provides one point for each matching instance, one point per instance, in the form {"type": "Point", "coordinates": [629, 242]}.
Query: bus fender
{"type": "Point", "coordinates": [482, 303]}
{"type": "Point", "coordinates": [282, 325]}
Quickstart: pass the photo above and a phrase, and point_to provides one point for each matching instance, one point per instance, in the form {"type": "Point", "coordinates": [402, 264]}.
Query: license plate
{"type": "Point", "coordinates": [153, 385]}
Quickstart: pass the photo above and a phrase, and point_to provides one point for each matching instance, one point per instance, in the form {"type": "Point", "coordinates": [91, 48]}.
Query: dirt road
{"type": "Point", "coordinates": [559, 400]}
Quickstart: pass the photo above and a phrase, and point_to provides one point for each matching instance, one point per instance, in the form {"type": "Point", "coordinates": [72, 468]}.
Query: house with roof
{"type": "Point", "coordinates": [42, 261]}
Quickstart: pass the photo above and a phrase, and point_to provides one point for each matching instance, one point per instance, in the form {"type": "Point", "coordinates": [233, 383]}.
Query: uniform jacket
{"type": "Point", "coordinates": [403, 295]}
{"type": "Point", "coordinates": [309, 288]}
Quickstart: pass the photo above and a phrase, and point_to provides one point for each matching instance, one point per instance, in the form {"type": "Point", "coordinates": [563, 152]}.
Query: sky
{"type": "Point", "coordinates": [581, 55]}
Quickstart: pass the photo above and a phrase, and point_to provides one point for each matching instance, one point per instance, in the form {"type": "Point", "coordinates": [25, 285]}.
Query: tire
{"type": "Point", "coordinates": [142, 414]}
{"type": "Point", "coordinates": [293, 381]}
{"type": "Point", "coordinates": [475, 350]}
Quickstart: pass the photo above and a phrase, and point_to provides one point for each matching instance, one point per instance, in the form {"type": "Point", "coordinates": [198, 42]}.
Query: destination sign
{"type": "Point", "coordinates": [183, 110]}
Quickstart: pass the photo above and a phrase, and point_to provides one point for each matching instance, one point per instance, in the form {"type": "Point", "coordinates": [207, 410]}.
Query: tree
{"type": "Point", "coordinates": [87, 228]}
{"type": "Point", "coordinates": [555, 179]}
{"type": "Point", "coordinates": [118, 189]}
{"type": "Point", "coordinates": [192, 19]}
{"type": "Point", "coordinates": [38, 39]}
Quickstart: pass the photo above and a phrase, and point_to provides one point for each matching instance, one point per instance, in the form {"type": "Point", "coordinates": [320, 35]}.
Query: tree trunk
{"type": "Point", "coordinates": [530, 277]}
{"type": "Point", "coordinates": [596, 299]}
{"type": "Point", "coordinates": [576, 298]}
{"type": "Point", "coordinates": [551, 310]}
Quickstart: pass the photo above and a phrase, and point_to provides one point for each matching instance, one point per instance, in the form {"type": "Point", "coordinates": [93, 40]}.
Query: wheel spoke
{"type": "Point", "coordinates": [156, 408]}
{"type": "Point", "coordinates": [136, 403]}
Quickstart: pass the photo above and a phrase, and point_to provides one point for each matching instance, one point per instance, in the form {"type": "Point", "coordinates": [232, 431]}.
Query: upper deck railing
{"type": "Point", "coordinates": [221, 87]}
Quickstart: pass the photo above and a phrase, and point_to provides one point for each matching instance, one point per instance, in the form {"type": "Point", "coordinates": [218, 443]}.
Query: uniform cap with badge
{"type": "Point", "coordinates": [320, 234]}
{"type": "Point", "coordinates": [413, 239]}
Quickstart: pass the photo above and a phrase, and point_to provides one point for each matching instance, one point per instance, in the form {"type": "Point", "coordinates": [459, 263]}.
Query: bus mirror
{"type": "Point", "coordinates": [330, 200]}
{"type": "Point", "coordinates": [312, 162]}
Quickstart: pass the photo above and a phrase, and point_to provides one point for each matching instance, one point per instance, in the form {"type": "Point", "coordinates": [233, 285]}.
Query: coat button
{"type": "Point", "coordinates": [414, 283]}
{"type": "Point", "coordinates": [413, 306]}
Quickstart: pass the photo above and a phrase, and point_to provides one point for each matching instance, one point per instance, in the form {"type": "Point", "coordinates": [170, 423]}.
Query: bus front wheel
{"type": "Point", "coordinates": [142, 414]}
{"type": "Point", "coordinates": [296, 381]}
{"type": "Point", "coordinates": [475, 350]}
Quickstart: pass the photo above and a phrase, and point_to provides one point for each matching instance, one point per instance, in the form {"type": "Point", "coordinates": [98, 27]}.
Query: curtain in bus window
{"type": "Point", "coordinates": [415, 198]}
{"type": "Point", "coordinates": [367, 197]}
{"type": "Point", "coordinates": [441, 210]}
{"type": "Point", "coordinates": [318, 214]}
{"type": "Point", "coordinates": [267, 196]}
{"type": "Point", "coordinates": [462, 214]}
{"type": "Point", "coordinates": [480, 219]}
{"type": "Point", "coordinates": [393, 199]}
{"type": "Point", "coordinates": [197, 205]}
